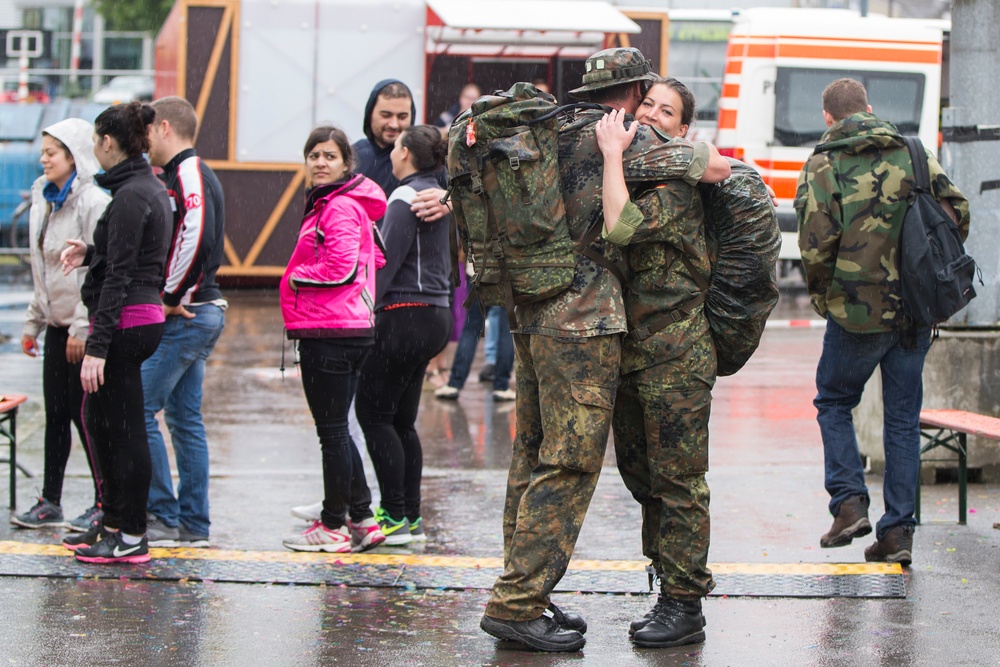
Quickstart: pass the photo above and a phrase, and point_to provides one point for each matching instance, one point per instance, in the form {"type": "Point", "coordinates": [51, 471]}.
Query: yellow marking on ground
{"type": "Point", "coordinates": [419, 560]}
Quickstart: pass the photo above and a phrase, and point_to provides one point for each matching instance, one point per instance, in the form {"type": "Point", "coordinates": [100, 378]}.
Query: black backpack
{"type": "Point", "coordinates": [935, 272]}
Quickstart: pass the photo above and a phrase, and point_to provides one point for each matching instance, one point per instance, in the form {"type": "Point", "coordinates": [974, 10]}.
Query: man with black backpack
{"type": "Point", "coordinates": [851, 201]}
{"type": "Point", "coordinates": [567, 348]}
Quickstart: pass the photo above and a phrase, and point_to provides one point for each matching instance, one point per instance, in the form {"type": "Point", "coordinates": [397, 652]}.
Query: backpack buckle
{"type": "Point", "coordinates": [477, 184]}
{"type": "Point", "coordinates": [515, 162]}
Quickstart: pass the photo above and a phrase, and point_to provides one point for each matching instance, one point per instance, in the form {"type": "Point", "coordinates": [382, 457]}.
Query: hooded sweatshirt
{"type": "Point", "coordinates": [130, 248]}
{"type": "Point", "coordinates": [373, 160]}
{"type": "Point", "coordinates": [851, 202]}
{"type": "Point", "coordinates": [334, 262]}
{"type": "Point", "coordinates": [56, 299]}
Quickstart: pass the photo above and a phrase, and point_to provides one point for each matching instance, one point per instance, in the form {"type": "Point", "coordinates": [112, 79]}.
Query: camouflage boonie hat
{"type": "Point", "coordinates": [613, 67]}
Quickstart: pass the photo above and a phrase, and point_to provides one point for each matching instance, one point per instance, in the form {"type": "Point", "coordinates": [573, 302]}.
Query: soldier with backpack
{"type": "Point", "coordinates": [700, 289]}
{"type": "Point", "coordinates": [568, 340]}
{"type": "Point", "coordinates": [851, 201]}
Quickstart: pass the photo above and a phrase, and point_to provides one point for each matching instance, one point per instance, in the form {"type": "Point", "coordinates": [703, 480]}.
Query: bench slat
{"type": "Point", "coordinates": [962, 421]}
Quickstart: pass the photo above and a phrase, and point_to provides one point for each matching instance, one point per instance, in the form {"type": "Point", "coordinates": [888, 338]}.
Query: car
{"type": "Point", "coordinates": [122, 89]}
{"type": "Point", "coordinates": [37, 90]}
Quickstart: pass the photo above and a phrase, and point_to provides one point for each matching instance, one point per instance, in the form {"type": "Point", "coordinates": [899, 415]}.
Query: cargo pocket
{"type": "Point", "coordinates": [587, 425]}
{"type": "Point", "coordinates": [678, 434]}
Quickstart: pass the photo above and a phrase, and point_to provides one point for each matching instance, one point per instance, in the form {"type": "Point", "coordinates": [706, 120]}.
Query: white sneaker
{"type": "Point", "coordinates": [365, 534]}
{"type": "Point", "coordinates": [308, 512]}
{"type": "Point", "coordinates": [446, 391]}
{"type": "Point", "coordinates": [318, 537]}
{"type": "Point", "coordinates": [504, 395]}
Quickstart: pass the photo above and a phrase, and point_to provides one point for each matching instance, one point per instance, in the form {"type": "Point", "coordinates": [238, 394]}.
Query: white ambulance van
{"type": "Point", "coordinates": [778, 63]}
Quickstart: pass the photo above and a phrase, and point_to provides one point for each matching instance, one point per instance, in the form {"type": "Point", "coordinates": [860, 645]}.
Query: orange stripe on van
{"type": "Point", "coordinates": [847, 53]}
{"type": "Point", "coordinates": [784, 188]}
{"type": "Point", "coordinates": [778, 165]}
{"type": "Point", "coordinates": [734, 67]}
{"type": "Point", "coordinates": [727, 119]}
{"type": "Point", "coordinates": [815, 38]}
{"type": "Point", "coordinates": [761, 51]}
{"type": "Point", "coordinates": [731, 90]}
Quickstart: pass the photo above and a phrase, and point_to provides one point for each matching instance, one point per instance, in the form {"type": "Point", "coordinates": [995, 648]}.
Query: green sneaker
{"type": "Point", "coordinates": [396, 532]}
{"type": "Point", "coordinates": [417, 530]}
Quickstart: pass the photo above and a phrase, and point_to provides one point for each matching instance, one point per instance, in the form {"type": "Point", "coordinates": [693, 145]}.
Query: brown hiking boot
{"type": "Point", "coordinates": [851, 521]}
{"type": "Point", "coordinates": [895, 547]}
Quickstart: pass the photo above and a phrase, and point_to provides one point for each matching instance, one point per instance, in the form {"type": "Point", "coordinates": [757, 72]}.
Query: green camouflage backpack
{"type": "Point", "coordinates": [503, 169]}
{"type": "Point", "coordinates": [743, 245]}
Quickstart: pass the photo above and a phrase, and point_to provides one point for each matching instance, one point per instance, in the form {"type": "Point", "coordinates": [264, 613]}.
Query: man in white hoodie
{"type": "Point", "coordinates": [65, 204]}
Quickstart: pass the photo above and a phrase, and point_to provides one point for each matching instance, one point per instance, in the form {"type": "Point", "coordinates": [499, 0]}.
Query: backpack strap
{"type": "Point", "coordinates": [681, 312]}
{"type": "Point", "coordinates": [918, 157]}
{"type": "Point", "coordinates": [585, 249]}
{"type": "Point", "coordinates": [575, 106]}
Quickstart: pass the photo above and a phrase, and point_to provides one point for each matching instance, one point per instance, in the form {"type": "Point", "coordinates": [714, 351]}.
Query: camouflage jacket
{"type": "Point", "coordinates": [661, 222]}
{"type": "Point", "coordinates": [850, 204]}
{"type": "Point", "coordinates": [592, 305]}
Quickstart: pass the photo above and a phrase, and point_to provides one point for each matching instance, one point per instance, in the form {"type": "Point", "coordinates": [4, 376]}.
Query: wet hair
{"type": "Point", "coordinates": [616, 94]}
{"type": "Point", "coordinates": [395, 90]}
{"type": "Point", "coordinates": [179, 113]}
{"type": "Point", "coordinates": [687, 97]}
{"type": "Point", "coordinates": [128, 125]}
{"type": "Point", "coordinates": [844, 97]}
{"type": "Point", "coordinates": [325, 133]}
{"type": "Point", "coordinates": [428, 149]}
{"type": "Point", "coordinates": [59, 144]}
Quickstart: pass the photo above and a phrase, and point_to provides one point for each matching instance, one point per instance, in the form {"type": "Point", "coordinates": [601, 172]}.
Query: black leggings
{"type": "Point", "coordinates": [388, 397]}
{"type": "Point", "coordinates": [63, 395]}
{"type": "Point", "coordinates": [116, 425]}
{"type": "Point", "coordinates": [330, 369]}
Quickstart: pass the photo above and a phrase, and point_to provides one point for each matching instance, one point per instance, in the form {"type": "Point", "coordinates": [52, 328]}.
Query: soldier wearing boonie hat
{"type": "Point", "coordinates": [613, 67]}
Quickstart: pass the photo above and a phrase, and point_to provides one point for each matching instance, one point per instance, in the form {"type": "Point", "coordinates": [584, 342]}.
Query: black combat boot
{"type": "Point", "coordinates": [675, 623]}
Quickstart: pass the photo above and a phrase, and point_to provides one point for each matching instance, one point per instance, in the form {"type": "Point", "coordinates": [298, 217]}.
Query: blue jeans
{"type": "Point", "coordinates": [171, 381]}
{"type": "Point", "coordinates": [848, 360]}
{"type": "Point", "coordinates": [465, 352]}
{"type": "Point", "coordinates": [491, 340]}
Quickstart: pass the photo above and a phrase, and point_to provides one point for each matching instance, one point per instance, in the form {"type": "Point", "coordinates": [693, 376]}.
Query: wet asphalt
{"type": "Point", "coordinates": [768, 508]}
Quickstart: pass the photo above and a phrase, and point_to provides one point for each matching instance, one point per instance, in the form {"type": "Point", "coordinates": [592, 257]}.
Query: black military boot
{"type": "Point", "coordinates": [543, 633]}
{"type": "Point", "coordinates": [676, 623]}
{"type": "Point", "coordinates": [568, 620]}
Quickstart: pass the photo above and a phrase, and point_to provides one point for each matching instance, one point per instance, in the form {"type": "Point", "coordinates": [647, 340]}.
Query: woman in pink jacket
{"type": "Point", "coordinates": [327, 301]}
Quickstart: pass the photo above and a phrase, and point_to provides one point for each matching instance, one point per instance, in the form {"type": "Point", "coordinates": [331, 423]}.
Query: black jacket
{"type": "Point", "coordinates": [130, 246]}
{"type": "Point", "coordinates": [196, 250]}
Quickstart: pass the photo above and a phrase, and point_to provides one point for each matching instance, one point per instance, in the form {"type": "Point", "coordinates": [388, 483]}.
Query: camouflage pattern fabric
{"type": "Point", "coordinates": [661, 445]}
{"type": "Point", "coordinates": [743, 243]}
{"type": "Point", "coordinates": [592, 305]}
{"type": "Point", "coordinates": [565, 396]}
{"type": "Point", "coordinates": [672, 217]}
{"type": "Point", "coordinates": [850, 204]}
{"type": "Point", "coordinates": [494, 151]}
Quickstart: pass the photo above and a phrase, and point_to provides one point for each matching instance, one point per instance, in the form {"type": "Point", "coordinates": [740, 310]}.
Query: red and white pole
{"type": "Point", "coordinates": [74, 57]}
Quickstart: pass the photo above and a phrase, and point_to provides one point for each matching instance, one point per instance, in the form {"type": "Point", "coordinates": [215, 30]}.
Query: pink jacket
{"type": "Point", "coordinates": [334, 262]}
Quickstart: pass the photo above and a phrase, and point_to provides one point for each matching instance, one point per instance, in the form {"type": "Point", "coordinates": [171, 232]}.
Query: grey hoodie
{"type": "Point", "coordinates": [56, 300]}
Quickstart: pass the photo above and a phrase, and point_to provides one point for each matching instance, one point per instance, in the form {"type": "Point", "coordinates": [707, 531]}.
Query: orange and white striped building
{"type": "Point", "coordinates": [779, 61]}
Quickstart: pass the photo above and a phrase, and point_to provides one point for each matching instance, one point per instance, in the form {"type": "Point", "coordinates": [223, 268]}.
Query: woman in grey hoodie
{"type": "Point", "coordinates": [65, 204]}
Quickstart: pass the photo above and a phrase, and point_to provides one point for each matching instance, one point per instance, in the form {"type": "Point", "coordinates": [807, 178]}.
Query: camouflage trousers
{"type": "Point", "coordinates": [565, 396]}
{"type": "Point", "coordinates": [661, 444]}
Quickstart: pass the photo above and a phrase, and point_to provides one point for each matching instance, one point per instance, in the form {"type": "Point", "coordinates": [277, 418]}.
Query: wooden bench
{"type": "Point", "coordinates": [948, 429]}
{"type": "Point", "coordinates": [8, 429]}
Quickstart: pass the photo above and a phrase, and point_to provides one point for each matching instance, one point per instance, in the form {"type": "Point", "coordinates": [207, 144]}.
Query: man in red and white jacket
{"type": "Point", "coordinates": [195, 310]}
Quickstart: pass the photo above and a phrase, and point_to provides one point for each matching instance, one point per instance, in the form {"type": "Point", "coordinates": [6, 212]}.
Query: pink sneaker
{"type": "Point", "coordinates": [365, 535]}
{"type": "Point", "coordinates": [318, 537]}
